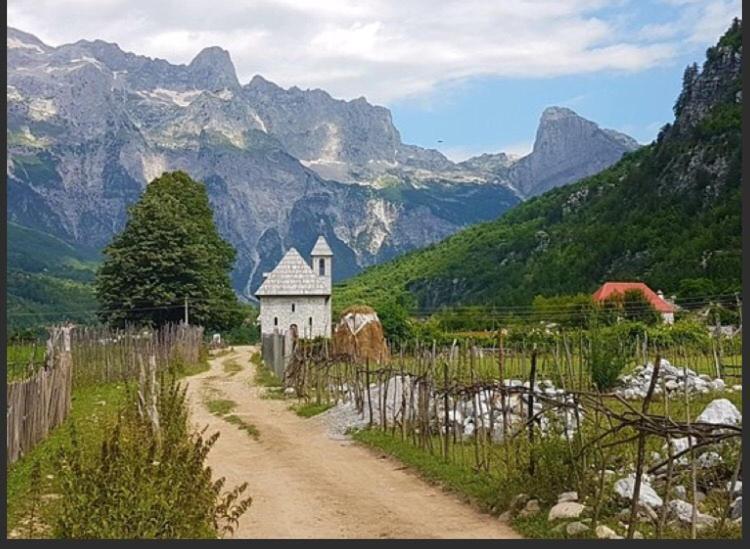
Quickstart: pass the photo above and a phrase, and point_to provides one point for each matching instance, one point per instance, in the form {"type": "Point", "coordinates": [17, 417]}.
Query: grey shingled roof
{"type": "Point", "coordinates": [293, 276]}
{"type": "Point", "coordinates": [321, 248]}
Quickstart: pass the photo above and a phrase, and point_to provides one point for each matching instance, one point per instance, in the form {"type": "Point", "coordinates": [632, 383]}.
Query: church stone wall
{"type": "Point", "coordinates": [279, 308]}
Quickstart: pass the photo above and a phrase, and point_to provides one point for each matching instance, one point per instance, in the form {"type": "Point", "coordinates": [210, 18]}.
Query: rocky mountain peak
{"type": "Point", "coordinates": [719, 81]}
{"type": "Point", "coordinates": [261, 84]}
{"type": "Point", "coordinates": [567, 147]}
{"type": "Point", "coordinates": [556, 113]}
{"type": "Point", "coordinates": [17, 39]}
{"type": "Point", "coordinates": [212, 68]}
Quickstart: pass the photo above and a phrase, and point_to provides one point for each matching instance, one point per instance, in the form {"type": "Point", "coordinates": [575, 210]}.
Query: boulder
{"type": "Point", "coordinates": [565, 510]}
{"type": "Point", "coordinates": [518, 501]}
{"type": "Point", "coordinates": [624, 488]}
{"type": "Point", "coordinates": [647, 512]}
{"type": "Point", "coordinates": [720, 412]}
{"type": "Point", "coordinates": [567, 496]}
{"type": "Point", "coordinates": [576, 528]}
{"type": "Point", "coordinates": [737, 488]}
{"type": "Point", "coordinates": [359, 334]}
{"type": "Point", "coordinates": [735, 510]}
{"type": "Point", "coordinates": [708, 460]}
{"type": "Point", "coordinates": [683, 511]}
{"type": "Point", "coordinates": [532, 507]}
{"type": "Point", "coordinates": [605, 532]}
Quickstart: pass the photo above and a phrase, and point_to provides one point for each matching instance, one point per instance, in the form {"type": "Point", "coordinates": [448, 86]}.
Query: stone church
{"type": "Point", "coordinates": [296, 297]}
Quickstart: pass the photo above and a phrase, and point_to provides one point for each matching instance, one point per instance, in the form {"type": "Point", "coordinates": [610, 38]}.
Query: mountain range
{"type": "Point", "coordinates": [668, 214]}
{"type": "Point", "coordinates": [90, 124]}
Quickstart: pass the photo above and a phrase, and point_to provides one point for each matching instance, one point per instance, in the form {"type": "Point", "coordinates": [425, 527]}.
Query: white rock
{"type": "Point", "coordinates": [576, 528]}
{"type": "Point", "coordinates": [565, 510]}
{"type": "Point", "coordinates": [735, 511]}
{"type": "Point", "coordinates": [671, 385]}
{"type": "Point", "coordinates": [532, 507]}
{"type": "Point", "coordinates": [625, 487]}
{"type": "Point", "coordinates": [737, 388]}
{"type": "Point", "coordinates": [605, 532]}
{"type": "Point", "coordinates": [708, 460]}
{"type": "Point", "coordinates": [720, 412]}
{"type": "Point", "coordinates": [683, 511]}
{"type": "Point", "coordinates": [737, 487]}
{"type": "Point", "coordinates": [718, 384]}
{"type": "Point", "coordinates": [567, 496]}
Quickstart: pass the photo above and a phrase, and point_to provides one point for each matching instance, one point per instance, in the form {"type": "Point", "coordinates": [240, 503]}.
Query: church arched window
{"type": "Point", "coordinates": [321, 267]}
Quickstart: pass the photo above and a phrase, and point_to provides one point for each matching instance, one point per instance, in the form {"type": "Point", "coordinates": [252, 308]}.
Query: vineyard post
{"type": "Point", "coordinates": [367, 384]}
{"type": "Point", "coordinates": [445, 407]}
{"type": "Point", "coordinates": [642, 449]}
{"type": "Point", "coordinates": [532, 379]}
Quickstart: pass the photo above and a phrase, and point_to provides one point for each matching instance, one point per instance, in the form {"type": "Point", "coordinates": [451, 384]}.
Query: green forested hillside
{"type": "Point", "coordinates": [48, 279]}
{"type": "Point", "coordinates": [667, 214]}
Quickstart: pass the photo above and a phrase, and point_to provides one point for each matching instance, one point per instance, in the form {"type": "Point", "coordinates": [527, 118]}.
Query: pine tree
{"type": "Point", "coordinates": [688, 78]}
{"type": "Point", "coordinates": [169, 251]}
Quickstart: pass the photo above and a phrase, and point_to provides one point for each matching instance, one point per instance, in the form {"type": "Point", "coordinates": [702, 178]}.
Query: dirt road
{"type": "Point", "coordinates": [304, 484]}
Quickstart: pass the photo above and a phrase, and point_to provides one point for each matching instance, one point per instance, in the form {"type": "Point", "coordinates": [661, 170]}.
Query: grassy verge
{"type": "Point", "coordinates": [265, 377]}
{"type": "Point", "coordinates": [309, 409]}
{"type": "Point", "coordinates": [492, 492]}
{"type": "Point", "coordinates": [93, 411]}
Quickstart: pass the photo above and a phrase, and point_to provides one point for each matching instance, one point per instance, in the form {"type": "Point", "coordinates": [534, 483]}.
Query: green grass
{"type": "Point", "coordinates": [243, 425]}
{"type": "Point", "coordinates": [478, 487]}
{"type": "Point", "coordinates": [93, 410]}
{"type": "Point", "coordinates": [264, 376]}
{"type": "Point", "coordinates": [22, 359]}
{"type": "Point", "coordinates": [492, 491]}
{"type": "Point", "coordinates": [309, 409]}
{"type": "Point", "coordinates": [232, 367]}
{"type": "Point", "coordinates": [220, 406]}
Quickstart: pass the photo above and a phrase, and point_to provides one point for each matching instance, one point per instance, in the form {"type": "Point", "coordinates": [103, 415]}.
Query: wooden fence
{"type": "Point", "coordinates": [42, 402]}
{"type": "Point", "coordinates": [83, 356]}
{"type": "Point", "coordinates": [104, 355]}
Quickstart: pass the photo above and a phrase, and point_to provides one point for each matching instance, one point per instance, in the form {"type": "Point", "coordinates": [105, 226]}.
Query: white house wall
{"type": "Point", "coordinates": [305, 307]}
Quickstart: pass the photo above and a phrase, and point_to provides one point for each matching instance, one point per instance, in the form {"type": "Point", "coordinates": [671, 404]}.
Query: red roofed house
{"type": "Point", "coordinates": [665, 307]}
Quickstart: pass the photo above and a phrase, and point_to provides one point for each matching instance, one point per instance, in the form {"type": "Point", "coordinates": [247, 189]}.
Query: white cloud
{"type": "Point", "coordinates": [384, 50]}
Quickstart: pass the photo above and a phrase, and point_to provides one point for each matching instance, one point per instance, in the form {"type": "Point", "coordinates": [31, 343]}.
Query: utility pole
{"type": "Point", "coordinates": [186, 311]}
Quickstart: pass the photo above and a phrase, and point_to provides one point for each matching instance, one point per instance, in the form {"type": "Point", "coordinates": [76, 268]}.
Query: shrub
{"type": "Point", "coordinates": [607, 358]}
{"type": "Point", "coordinates": [146, 483]}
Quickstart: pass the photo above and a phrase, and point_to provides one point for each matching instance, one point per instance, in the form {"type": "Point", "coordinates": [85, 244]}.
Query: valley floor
{"type": "Point", "coordinates": [305, 484]}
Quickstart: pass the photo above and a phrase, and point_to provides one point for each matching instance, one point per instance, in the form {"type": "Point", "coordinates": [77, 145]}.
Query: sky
{"type": "Point", "coordinates": [462, 76]}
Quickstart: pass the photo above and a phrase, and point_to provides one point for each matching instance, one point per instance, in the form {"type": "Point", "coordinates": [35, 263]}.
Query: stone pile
{"type": "Point", "coordinates": [672, 379]}
{"type": "Point", "coordinates": [466, 413]}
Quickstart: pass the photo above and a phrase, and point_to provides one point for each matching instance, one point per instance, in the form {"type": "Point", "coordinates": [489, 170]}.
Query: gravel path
{"type": "Point", "coordinates": [307, 484]}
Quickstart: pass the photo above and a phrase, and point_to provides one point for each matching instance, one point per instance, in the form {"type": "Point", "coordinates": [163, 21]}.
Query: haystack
{"type": "Point", "coordinates": [359, 335]}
